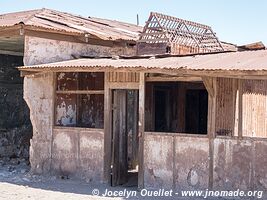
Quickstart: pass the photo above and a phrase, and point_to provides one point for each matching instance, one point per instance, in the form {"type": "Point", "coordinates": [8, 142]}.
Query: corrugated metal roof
{"type": "Point", "coordinates": [65, 22]}
{"type": "Point", "coordinates": [246, 60]}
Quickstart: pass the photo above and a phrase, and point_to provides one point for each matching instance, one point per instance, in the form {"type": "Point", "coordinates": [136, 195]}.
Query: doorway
{"type": "Point", "coordinates": [124, 165]}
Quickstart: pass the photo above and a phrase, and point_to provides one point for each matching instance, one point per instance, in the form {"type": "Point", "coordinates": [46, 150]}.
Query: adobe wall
{"type": "Point", "coordinates": [183, 162]}
{"type": "Point", "coordinates": [42, 50]}
{"type": "Point", "coordinates": [62, 151]}
{"type": "Point", "coordinates": [176, 161]}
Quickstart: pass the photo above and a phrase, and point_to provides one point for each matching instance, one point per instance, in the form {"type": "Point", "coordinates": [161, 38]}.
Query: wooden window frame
{"type": "Point", "coordinates": [75, 92]}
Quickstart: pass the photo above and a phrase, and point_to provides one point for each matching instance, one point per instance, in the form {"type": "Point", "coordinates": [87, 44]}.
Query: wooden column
{"type": "Point", "coordinates": [240, 108]}
{"type": "Point", "coordinates": [211, 85]}
{"type": "Point", "coordinates": [141, 130]}
{"type": "Point", "coordinates": [107, 130]}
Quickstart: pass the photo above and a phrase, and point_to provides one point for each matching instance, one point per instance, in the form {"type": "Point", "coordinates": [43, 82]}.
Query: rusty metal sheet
{"type": "Point", "coordinates": [64, 22]}
{"type": "Point", "coordinates": [234, 61]}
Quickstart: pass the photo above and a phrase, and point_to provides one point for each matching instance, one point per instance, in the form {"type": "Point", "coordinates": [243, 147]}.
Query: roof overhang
{"type": "Point", "coordinates": [250, 64]}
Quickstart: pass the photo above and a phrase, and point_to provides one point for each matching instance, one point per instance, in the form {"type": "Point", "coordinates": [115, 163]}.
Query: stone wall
{"type": "Point", "coordinates": [15, 127]}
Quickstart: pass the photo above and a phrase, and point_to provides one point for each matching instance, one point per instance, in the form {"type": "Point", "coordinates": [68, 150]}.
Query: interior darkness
{"type": "Point", "coordinates": [196, 111]}
{"type": "Point", "coordinates": [180, 107]}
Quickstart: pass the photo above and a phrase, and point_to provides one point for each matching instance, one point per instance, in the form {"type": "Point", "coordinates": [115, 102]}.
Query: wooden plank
{"type": "Point", "coordinates": [208, 84]}
{"type": "Point", "coordinates": [240, 109]}
{"type": "Point", "coordinates": [141, 130]}
{"type": "Point", "coordinates": [168, 79]}
{"type": "Point", "coordinates": [107, 131]}
{"type": "Point", "coordinates": [211, 129]}
{"type": "Point", "coordinates": [127, 85]}
{"type": "Point", "coordinates": [12, 53]}
{"type": "Point", "coordinates": [80, 92]}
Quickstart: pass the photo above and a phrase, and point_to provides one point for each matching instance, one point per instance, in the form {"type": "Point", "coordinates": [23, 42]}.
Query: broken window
{"type": "Point", "coordinates": [180, 107]}
{"type": "Point", "coordinates": [80, 99]}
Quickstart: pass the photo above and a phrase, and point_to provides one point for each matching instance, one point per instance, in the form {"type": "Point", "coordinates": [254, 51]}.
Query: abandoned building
{"type": "Point", "coordinates": [43, 36]}
{"type": "Point", "coordinates": [191, 122]}
{"type": "Point", "coordinates": [170, 105]}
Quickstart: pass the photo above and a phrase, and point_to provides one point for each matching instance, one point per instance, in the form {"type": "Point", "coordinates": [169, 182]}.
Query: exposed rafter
{"type": "Point", "coordinates": [166, 29]}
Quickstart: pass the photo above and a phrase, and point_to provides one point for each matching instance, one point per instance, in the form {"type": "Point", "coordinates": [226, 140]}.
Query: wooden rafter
{"type": "Point", "coordinates": [163, 28]}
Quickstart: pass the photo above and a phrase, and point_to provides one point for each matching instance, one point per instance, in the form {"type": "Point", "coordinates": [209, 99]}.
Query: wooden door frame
{"type": "Point", "coordinates": [109, 86]}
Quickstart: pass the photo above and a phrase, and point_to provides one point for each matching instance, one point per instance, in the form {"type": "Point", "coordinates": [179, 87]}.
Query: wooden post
{"type": "Point", "coordinates": [211, 84]}
{"type": "Point", "coordinates": [240, 108]}
{"type": "Point", "coordinates": [107, 130]}
{"type": "Point", "coordinates": [141, 130]}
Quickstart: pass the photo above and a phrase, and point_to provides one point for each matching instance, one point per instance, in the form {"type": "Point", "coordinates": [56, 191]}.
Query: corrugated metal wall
{"type": "Point", "coordinates": [254, 108]}
{"type": "Point", "coordinates": [225, 106]}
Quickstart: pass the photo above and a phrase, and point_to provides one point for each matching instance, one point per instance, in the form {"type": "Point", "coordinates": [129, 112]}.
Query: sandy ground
{"type": "Point", "coordinates": [17, 183]}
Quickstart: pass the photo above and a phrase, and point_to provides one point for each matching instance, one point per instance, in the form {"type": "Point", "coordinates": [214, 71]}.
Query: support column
{"type": "Point", "coordinates": [107, 130]}
{"type": "Point", "coordinates": [141, 125]}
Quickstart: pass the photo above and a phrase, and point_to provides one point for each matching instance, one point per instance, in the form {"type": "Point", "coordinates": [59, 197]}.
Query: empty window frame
{"type": "Point", "coordinates": [180, 107]}
{"type": "Point", "coordinates": [79, 99]}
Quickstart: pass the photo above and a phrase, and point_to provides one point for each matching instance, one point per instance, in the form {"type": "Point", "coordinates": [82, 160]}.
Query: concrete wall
{"type": "Point", "coordinates": [41, 50]}
{"type": "Point", "coordinates": [176, 161]}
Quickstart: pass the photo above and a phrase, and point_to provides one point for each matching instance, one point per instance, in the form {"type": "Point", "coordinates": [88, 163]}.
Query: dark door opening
{"type": "Point", "coordinates": [124, 164]}
{"type": "Point", "coordinates": [162, 109]}
{"type": "Point", "coordinates": [196, 111]}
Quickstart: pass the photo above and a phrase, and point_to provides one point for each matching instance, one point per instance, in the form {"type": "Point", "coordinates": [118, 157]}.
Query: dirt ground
{"type": "Point", "coordinates": [17, 183]}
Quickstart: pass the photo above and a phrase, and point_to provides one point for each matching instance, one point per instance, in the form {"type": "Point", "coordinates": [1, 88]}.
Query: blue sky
{"type": "Point", "coordinates": [235, 21]}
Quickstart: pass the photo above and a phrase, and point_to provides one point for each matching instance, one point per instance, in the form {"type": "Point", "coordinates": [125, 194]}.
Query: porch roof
{"type": "Point", "coordinates": [246, 61]}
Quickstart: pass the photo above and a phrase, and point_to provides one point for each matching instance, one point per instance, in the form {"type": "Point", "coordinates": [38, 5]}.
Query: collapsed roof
{"type": "Point", "coordinates": [167, 29]}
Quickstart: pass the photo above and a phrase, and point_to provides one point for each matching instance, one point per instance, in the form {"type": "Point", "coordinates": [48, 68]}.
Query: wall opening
{"type": "Point", "coordinates": [15, 125]}
{"type": "Point", "coordinates": [176, 107]}
{"type": "Point", "coordinates": [124, 164]}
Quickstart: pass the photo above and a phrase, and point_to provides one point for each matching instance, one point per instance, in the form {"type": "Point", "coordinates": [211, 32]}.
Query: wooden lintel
{"type": "Point", "coordinates": [12, 53]}
{"type": "Point", "coordinates": [29, 73]}
{"type": "Point", "coordinates": [208, 82]}
{"type": "Point", "coordinates": [175, 78]}
{"type": "Point", "coordinates": [81, 92]}
{"type": "Point", "coordinates": [122, 85]}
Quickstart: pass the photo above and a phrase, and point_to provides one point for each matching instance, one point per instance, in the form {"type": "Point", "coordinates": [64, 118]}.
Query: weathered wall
{"type": "Point", "coordinates": [225, 106]}
{"type": "Point", "coordinates": [176, 161]}
{"type": "Point", "coordinates": [78, 152]}
{"type": "Point", "coordinates": [41, 50]}
{"type": "Point", "coordinates": [15, 128]}
{"type": "Point", "coordinates": [254, 108]}
{"type": "Point", "coordinates": [38, 93]}
{"type": "Point", "coordinates": [62, 151]}
{"type": "Point", "coordinates": [182, 162]}
{"type": "Point", "coordinates": [240, 164]}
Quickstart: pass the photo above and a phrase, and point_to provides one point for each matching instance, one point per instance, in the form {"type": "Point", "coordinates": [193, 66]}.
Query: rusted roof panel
{"type": "Point", "coordinates": [246, 60]}
{"type": "Point", "coordinates": [65, 22]}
